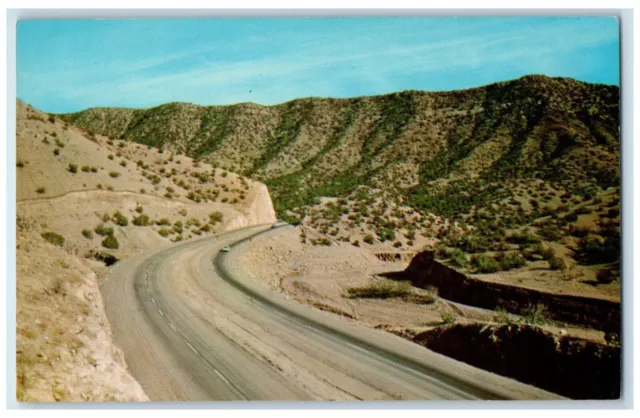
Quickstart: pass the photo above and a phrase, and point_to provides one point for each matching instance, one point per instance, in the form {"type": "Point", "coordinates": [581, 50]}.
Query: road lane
{"type": "Point", "coordinates": [193, 326]}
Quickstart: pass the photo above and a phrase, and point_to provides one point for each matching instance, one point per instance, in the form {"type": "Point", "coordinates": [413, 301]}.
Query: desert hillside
{"type": "Point", "coordinates": [84, 202]}
{"type": "Point", "coordinates": [560, 130]}
{"type": "Point", "coordinates": [512, 187]}
{"type": "Point", "coordinates": [515, 175]}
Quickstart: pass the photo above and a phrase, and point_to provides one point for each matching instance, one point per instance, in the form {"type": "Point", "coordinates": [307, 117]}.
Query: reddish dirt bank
{"type": "Point", "coordinates": [571, 367]}
{"type": "Point", "coordinates": [424, 271]}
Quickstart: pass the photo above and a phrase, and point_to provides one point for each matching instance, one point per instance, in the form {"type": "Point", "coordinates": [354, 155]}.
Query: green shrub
{"type": "Point", "coordinates": [163, 221]}
{"type": "Point", "coordinates": [164, 232]}
{"type": "Point", "coordinates": [20, 164]}
{"type": "Point", "coordinates": [368, 239]}
{"type": "Point", "coordinates": [457, 257]}
{"type": "Point", "coordinates": [510, 261]}
{"type": "Point", "coordinates": [53, 238]}
{"type": "Point", "coordinates": [103, 230]}
{"type": "Point", "coordinates": [87, 233]}
{"type": "Point", "coordinates": [86, 169]}
{"type": "Point", "coordinates": [502, 316]}
{"type": "Point", "coordinates": [139, 209]}
{"type": "Point", "coordinates": [114, 174]}
{"type": "Point", "coordinates": [215, 217]}
{"type": "Point", "coordinates": [142, 220]}
{"type": "Point", "coordinates": [471, 244]}
{"type": "Point", "coordinates": [40, 190]}
{"type": "Point", "coordinates": [482, 263]}
{"type": "Point", "coordinates": [448, 317]}
{"type": "Point", "coordinates": [110, 242]}
{"type": "Point", "coordinates": [536, 315]}
{"type": "Point", "coordinates": [191, 221]}
{"type": "Point", "coordinates": [386, 234]}
{"type": "Point", "coordinates": [381, 289]}
{"type": "Point", "coordinates": [290, 219]}
{"type": "Point", "coordinates": [120, 219]}
{"type": "Point", "coordinates": [321, 241]}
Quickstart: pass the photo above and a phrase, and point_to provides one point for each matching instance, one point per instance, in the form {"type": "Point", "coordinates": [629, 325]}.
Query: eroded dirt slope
{"type": "Point", "coordinates": [84, 202]}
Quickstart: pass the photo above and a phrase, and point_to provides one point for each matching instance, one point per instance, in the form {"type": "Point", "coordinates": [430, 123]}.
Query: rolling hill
{"type": "Point", "coordinates": [560, 130]}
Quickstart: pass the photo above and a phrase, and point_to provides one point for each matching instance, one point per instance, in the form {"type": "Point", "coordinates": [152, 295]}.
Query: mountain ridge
{"type": "Point", "coordinates": [312, 147]}
{"type": "Point", "coordinates": [250, 103]}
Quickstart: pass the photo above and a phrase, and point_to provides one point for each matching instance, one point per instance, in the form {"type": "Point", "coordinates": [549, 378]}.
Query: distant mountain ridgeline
{"type": "Point", "coordinates": [444, 152]}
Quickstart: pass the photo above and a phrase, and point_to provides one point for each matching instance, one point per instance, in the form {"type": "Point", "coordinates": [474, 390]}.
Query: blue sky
{"type": "Point", "coordinates": [70, 65]}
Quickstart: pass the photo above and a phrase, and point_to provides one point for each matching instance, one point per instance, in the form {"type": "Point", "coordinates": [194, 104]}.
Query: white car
{"type": "Point", "coordinates": [225, 249]}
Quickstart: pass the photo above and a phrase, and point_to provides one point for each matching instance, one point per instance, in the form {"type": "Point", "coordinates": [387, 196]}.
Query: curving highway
{"type": "Point", "coordinates": [193, 327]}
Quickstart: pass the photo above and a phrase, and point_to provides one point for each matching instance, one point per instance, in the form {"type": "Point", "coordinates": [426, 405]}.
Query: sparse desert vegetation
{"type": "Point", "coordinates": [92, 225]}
{"type": "Point", "coordinates": [53, 238]}
{"type": "Point", "coordinates": [110, 242]}
{"type": "Point", "coordinates": [513, 185]}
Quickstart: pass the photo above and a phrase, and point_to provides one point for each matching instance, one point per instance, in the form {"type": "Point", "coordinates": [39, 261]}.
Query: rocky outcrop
{"type": "Point", "coordinates": [260, 208]}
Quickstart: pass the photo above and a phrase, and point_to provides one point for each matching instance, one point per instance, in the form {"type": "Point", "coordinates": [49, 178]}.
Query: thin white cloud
{"type": "Point", "coordinates": [319, 68]}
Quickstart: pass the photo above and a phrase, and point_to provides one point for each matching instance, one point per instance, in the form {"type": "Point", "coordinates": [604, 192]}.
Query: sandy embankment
{"type": "Point", "coordinates": [320, 275]}
{"type": "Point", "coordinates": [64, 347]}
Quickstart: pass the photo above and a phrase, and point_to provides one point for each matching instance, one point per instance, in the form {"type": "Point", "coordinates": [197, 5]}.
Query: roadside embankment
{"type": "Point", "coordinates": [425, 272]}
{"type": "Point", "coordinates": [573, 367]}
